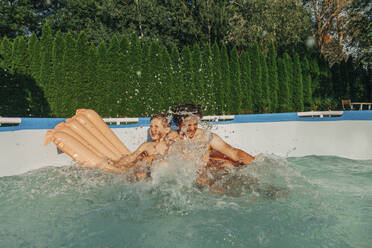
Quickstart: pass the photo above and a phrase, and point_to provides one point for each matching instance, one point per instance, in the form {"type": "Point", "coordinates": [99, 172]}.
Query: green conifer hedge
{"type": "Point", "coordinates": [55, 75]}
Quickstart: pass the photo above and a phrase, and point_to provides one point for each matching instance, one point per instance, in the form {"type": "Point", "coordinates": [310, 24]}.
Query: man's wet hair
{"type": "Point", "coordinates": [164, 117]}
{"type": "Point", "coordinates": [185, 110]}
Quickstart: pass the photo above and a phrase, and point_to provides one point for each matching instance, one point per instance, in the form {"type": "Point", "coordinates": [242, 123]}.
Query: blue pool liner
{"type": "Point", "coordinates": [28, 123]}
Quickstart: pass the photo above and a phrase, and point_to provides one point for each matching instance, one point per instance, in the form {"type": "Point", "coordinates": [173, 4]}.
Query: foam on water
{"type": "Point", "coordinates": [275, 202]}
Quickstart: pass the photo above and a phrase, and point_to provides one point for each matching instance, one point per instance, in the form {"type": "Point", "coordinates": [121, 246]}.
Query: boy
{"type": "Point", "coordinates": [148, 151]}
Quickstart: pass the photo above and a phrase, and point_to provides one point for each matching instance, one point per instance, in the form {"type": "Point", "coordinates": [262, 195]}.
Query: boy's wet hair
{"type": "Point", "coordinates": [165, 119]}
{"type": "Point", "coordinates": [185, 110]}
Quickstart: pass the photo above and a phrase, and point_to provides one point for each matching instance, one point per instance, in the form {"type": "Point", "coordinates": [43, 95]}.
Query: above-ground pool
{"type": "Point", "coordinates": [312, 201]}
{"type": "Point", "coordinates": [310, 186]}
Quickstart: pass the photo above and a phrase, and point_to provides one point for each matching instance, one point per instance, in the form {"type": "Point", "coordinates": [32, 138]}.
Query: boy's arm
{"type": "Point", "coordinates": [125, 160]}
{"type": "Point", "coordinates": [172, 135]}
{"type": "Point", "coordinates": [234, 154]}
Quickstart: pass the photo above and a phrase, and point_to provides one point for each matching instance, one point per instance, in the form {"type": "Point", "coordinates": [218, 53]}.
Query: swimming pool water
{"type": "Point", "coordinates": [313, 201]}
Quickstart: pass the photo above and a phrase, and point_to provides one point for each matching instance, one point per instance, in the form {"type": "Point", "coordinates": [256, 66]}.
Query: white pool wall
{"type": "Point", "coordinates": [285, 135]}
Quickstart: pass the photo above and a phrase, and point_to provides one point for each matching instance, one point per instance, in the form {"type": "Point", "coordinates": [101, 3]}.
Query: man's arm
{"type": "Point", "coordinates": [129, 159]}
{"type": "Point", "coordinates": [234, 154]}
{"type": "Point", "coordinates": [172, 135]}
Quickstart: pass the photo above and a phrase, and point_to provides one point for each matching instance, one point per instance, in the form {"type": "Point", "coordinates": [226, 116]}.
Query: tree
{"type": "Point", "coordinates": [283, 93]}
{"type": "Point", "coordinates": [171, 22]}
{"type": "Point", "coordinates": [217, 79]}
{"type": "Point", "coordinates": [257, 100]}
{"type": "Point", "coordinates": [92, 75]}
{"type": "Point", "coordinates": [168, 86]}
{"type": "Point", "coordinates": [246, 82]}
{"type": "Point", "coordinates": [46, 66]}
{"type": "Point", "coordinates": [19, 96]}
{"type": "Point", "coordinates": [236, 89]}
{"type": "Point", "coordinates": [6, 58]}
{"type": "Point", "coordinates": [136, 91]}
{"type": "Point", "coordinates": [288, 63]}
{"type": "Point", "coordinates": [146, 80]}
{"type": "Point", "coordinates": [265, 83]}
{"type": "Point", "coordinates": [359, 32]}
{"type": "Point", "coordinates": [34, 56]}
{"type": "Point", "coordinates": [314, 72]}
{"type": "Point", "coordinates": [306, 84]}
{"type": "Point", "coordinates": [226, 80]}
{"type": "Point", "coordinates": [207, 71]}
{"type": "Point", "coordinates": [186, 66]}
{"type": "Point", "coordinates": [94, 17]}
{"type": "Point", "coordinates": [197, 83]}
{"type": "Point", "coordinates": [341, 28]}
{"type": "Point", "coordinates": [325, 79]}
{"type": "Point", "coordinates": [82, 49]}
{"type": "Point", "coordinates": [177, 76]}
{"type": "Point", "coordinates": [286, 23]}
{"type": "Point", "coordinates": [20, 18]}
{"type": "Point", "coordinates": [57, 74]}
{"type": "Point", "coordinates": [358, 79]}
{"type": "Point", "coordinates": [47, 85]}
{"type": "Point", "coordinates": [20, 55]}
{"type": "Point", "coordinates": [154, 85]}
{"type": "Point", "coordinates": [209, 18]}
{"type": "Point", "coordinates": [125, 87]}
{"type": "Point", "coordinates": [273, 78]}
{"type": "Point", "coordinates": [46, 40]}
{"type": "Point", "coordinates": [101, 83]}
{"type": "Point", "coordinates": [297, 88]}
{"type": "Point", "coordinates": [71, 88]}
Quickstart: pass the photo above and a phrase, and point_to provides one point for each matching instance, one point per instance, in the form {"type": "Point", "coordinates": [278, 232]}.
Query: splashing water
{"type": "Point", "coordinates": [275, 202]}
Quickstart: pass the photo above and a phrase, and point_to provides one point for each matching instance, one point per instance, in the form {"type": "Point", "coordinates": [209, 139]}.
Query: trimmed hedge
{"type": "Point", "coordinates": [54, 76]}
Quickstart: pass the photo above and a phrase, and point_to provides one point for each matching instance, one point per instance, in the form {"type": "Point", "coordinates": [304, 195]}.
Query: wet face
{"type": "Point", "coordinates": [189, 126]}
{"type": "Point", "coordinates": [157, 129]}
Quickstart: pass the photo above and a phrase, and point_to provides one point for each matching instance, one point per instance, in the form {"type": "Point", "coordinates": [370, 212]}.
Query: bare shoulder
{"type": "Point", "coordinates": [173, 135]}
{"type": "Point", "coordinates": [161, 147]}
{"type": "Point", "coordinates": [145, 147]}
{"type": "Point", "coordinates": [150, 145]}
{"type": "Point", "coordinates": [218, 142]}
{"type": "Point", "coordinates": [217, 137]}
{"type": "Point", "coordinates": [203, 135]}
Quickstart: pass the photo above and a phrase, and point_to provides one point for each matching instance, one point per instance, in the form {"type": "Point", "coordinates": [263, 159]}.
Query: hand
{"type": "Point", "coordinates": [149, 158]}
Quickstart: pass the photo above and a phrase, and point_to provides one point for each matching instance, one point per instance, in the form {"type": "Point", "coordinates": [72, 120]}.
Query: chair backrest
{"type": "Point", "coordinates": [346, 104]}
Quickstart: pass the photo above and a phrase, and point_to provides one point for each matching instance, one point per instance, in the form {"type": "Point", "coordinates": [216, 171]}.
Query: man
{"type": "Point", "coordinates": [216, 154]}
{"type": "Point", "coordinates": [186, 117]}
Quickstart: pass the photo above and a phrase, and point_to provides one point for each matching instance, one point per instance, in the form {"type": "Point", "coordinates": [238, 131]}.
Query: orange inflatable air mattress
{"type": "Point", "coordinates": [87, 139]}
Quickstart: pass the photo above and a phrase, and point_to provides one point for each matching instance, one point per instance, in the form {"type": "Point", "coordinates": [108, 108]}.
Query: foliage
{"type": "Point", "coordinates": [343, 29]}
{"type": "Point", "coordinates": [208, 95]}
{"type": "Point", "coordinates": [246, 83]}
{"type": "Point", "coordinates": [297, 85]}
{"type": "Point", "coordinates": [225, 80]}
{"type": "Point", "coordinates": [265, 84]}
{"type": "Point", "coordinates": [288, 67]}
{"type": "Point", "coordinates": [236, 89]}
{"type": "Point", "coordinates": [273, 78]}
{"type": "Point", "coordinates": [283, 93]}
{"type": "Point", "coordinates": [256, 77]}
{"type": "Point", "coordinates": [55, 75]}
{"type": "Point", "coordinates": [359, 32]}
{"type": "Point", "coordinates": [19, 18]}
{"type": "Point", "coordinates": [306, 79]}
{"type": "Point", "coordinates": [339, 28]}
{"type": "Point", "coordinates": [218, 85]}
{"type": "Point", "coordinates": [285, 23]}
